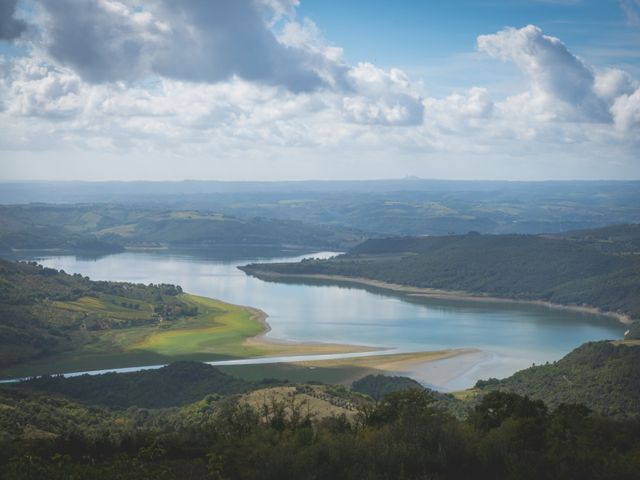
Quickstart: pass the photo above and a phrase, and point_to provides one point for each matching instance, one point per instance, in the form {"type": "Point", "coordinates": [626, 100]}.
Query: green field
{"type": "Point", "coordinates": [53, 322]}
{"type": "Point", "coordinates": [218, 331]}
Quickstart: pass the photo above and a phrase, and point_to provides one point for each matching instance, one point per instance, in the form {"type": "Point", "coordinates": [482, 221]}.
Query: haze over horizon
{"type": "Point", "coordinates": [271, 90]}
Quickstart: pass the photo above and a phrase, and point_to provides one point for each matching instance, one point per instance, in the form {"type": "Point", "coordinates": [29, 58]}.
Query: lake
{"type": "Point", "coordinates": [513, 335]}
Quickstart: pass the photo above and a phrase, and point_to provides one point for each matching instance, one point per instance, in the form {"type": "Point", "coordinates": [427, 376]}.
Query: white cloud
{"type": "Point", "coordinates": [561, 85]}
{"type": "Point", "coordinates": [150, 84]}
{"type": "Point", "coordinates": [461, 110]}
{"type": "Point", "coordinates": [612, 83]}
{"type": "Point", "coordinates": [42, 90]}
{"type": "Point", "coordinates": [382, 97]}
{"type": "Point", "coordinates": [106, 41]}
{"type": "Point", "coordinates": [626, 111]}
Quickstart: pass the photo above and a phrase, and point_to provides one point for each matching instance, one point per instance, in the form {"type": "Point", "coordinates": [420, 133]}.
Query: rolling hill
{"type": "Point", "coordinates": [597, 268]}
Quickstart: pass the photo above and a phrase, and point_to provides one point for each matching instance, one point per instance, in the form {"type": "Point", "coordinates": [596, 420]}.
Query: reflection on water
{"type": "Point", "coordinates": [517, 335]}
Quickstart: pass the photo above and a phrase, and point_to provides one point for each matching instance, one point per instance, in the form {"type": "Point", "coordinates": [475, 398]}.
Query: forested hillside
{"type": "Point", "coordinates": [44, 311]}
{"type": "Point", "coordinates": [601, 375]}
{"type": "Point", "coordinates": [599, 268]}
{"type": "Point", "coordinates": [222, 435]}
{"type": "Point", "coordinates": [176, 384]}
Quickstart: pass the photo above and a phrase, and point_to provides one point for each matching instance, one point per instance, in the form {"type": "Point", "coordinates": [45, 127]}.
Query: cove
{"type": "Point", "coordinates": [514, 336]}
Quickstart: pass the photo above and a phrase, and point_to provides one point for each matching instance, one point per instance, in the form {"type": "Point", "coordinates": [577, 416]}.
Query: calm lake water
{"type": "Point", "coordinates": [514, 335]}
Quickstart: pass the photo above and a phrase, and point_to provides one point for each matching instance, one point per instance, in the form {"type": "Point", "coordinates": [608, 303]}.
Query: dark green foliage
{"type": "Point", "coordinates": [496, 407]}
{"type": "Point", "coordinates": [574, 269]}
{"type": "Point", "coordinates": [377, 386]}
{"type": "Point", "coordinates": [176, 384]}
{"type": "Point", "coordinates": [402, 437]}
{"type": "Point", "coordinates": [34, 324]}
{"type": "Point", "coordinates": [603, 376]}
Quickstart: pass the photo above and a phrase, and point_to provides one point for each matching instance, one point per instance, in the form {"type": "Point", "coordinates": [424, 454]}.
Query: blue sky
{"type": "Point", "coordinates": [425, 37]}
{"type": "Point", "coordinates": [414, 32]}
{"type": "Point", "coordinates": [288, 89]}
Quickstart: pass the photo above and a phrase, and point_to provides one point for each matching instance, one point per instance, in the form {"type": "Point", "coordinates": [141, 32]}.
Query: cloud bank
{"type": "Point", "coordinates": [246, 82]}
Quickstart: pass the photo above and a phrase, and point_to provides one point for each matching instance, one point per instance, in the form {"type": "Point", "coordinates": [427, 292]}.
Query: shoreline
{"type": "Point", "coordinates": [436, 369]}
{"type": "Point", "coordinates": [442, 294]}
{"type": "Point", "coordinates": [397, 363]}
{"type": "Point", "coordinates": [311, 348]}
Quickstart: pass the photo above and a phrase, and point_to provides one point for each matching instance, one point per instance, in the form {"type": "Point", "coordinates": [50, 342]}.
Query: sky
{"type": "Point", "coordinates": [319, 89]}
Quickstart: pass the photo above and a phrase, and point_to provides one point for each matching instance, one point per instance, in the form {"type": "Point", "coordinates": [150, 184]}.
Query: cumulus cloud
{"type": "Point", "coordinates": [193, 40]}
{"type": "Point", "coordinates": [102, 40]}
{"type": "Point", "coordinates": [383, 97]}
{"type": "Point", "coordinates": [198, 41]}
{"type": "Point", "coordinates": [246, 78]}
{"type": "Point", "coordinates": [41, 90]}
{"type": "Point", "coordinates": [561, 84]}
{"type": "Point", "coordinates": [10, 26]}
{"type": "Point", "coordinates": [329, 65]}
{"type": "Point", "coordinates": [626, 111]}
{"type": "Point", "coordinates": [214, 41]}
{"type": "Point", "coordinates": [612, 83]}
{"type": "Point", "coordinates": [468, 108]}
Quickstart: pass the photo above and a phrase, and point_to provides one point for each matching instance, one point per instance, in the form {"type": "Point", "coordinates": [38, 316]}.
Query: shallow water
{"type": "Point", "coordinates": [513, 335]}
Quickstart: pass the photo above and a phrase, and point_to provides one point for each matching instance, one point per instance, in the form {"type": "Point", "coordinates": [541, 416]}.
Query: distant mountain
{"type": "Point", "coordinates": [409, 206]}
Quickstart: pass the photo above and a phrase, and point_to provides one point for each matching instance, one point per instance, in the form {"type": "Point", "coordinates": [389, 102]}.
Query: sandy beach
{"type": "Point", "coordinates": [441, 370]}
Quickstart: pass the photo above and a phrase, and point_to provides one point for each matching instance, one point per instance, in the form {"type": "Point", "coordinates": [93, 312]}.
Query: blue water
{"type": "Point", "coordinates": [516, 335]}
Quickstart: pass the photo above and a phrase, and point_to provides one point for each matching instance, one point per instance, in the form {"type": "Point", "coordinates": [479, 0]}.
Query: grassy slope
{"type": "Point", "coordinates": [217, 331]}
{"type": "Point", "coordinates": [111, 305]}
{"type": "Point", "coordinates": [219, 328]}
{"type": "Point", "coordinates": [53, 322]}
{"type": "Point", "coordinates": [44, 312]}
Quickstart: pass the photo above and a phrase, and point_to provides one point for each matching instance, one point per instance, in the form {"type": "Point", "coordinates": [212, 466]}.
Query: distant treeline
{"type": "Point", "coordinates": [598, 268]}
{"type": "Point", "coordinates": [410, 206]}
{"type": "Point", "coordinates": [103, 229]}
